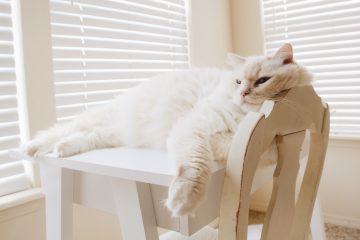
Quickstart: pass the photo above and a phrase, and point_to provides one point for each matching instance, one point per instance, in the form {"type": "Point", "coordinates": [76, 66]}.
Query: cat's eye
{"type": "Point", "coordinates": [261, 80]}
{"type": "Point", "coordinates": [238, 81]}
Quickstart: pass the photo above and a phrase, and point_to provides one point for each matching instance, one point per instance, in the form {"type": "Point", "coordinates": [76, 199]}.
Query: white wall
{"type": "Point", "coordinates": [247, 33]}
{"type": "Point", "coordinates": [23, 222]}
{"type": "Point", "coordinates": [340, 184]}
{"type": "Point", "coordinates": [211, 36]}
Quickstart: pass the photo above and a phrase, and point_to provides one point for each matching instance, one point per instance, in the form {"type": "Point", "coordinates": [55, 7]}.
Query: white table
{"type": "Point", "coordinates": [138, 180]}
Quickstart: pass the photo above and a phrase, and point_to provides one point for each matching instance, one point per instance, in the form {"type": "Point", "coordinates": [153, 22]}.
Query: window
{"type": "Point", "coordinates": [102, 48]}
{"type": "Point", "coordinates": [12, 174]}
{"type": "Point", "coordinates": [325, 35]}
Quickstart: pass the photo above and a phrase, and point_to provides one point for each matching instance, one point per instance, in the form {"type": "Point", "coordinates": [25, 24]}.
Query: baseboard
{"type": "Point", "coordinates": [342, 221]}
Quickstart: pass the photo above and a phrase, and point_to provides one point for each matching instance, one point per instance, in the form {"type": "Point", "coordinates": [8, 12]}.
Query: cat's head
{"type": "Point", "coordinates": [262, 78]}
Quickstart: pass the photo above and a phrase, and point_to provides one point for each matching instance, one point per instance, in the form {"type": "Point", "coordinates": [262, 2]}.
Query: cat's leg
{"type": "Point", "coordinates": [84, 141]}
{"type": "Point", "coordinates": [43, 143]}
{"type": "Point", "coordinates": [85, 132]}
{"type": "Point", "coordinates": [220, 145]}
{"type": "Point", "coordinates": [192, 152]}
{"type": "Point", "coordinates": [189, 144]}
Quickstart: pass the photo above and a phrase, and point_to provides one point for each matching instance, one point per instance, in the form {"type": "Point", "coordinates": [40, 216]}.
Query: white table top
{"type": "Point", "coordinates": [144, 165]}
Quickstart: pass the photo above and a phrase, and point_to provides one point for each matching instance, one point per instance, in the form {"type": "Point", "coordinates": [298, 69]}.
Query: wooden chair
{"type": "Point", "coordinates": [285, 122]}
{"type": "Point", "coordinates": [132, 183]}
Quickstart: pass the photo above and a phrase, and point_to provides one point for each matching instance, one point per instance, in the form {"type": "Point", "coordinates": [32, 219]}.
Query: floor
{"type": "Point", "coordinates": [333, 232]}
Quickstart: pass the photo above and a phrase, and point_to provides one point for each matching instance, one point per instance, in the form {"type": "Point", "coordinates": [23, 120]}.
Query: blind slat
{"type": "Point", "coordinates": [8, 101]}
{"type": "Point", "coordinates": [92, 65]}
{"type": "Point", "coordinates": [60, 13]}
{"type": "Point", "coordinates": [10, 169]}
{"type": "Point", "coordinates": [87, 97]}
{"type": "Point", "coordinates": [14, 183]}
{"type": "Point", "coordinates": [7, 88]}
{"type": "Point", "coordinates": [102, 85]}
{"type": "Point", "coordinates": [314, 25]}
{"type": "Point", "coordinates": [106, 75]}
{"type": "Point", "coordinates": [69, 111]}
{"type": "Point", "coordinates": [273, 22]}
{"type": "Point", "coordinates": [111, 25]}
{"type": "Point", "coordinates": [8, 129]}
{"type": "Point", "coordinates": [119, 34]}
{"type": "Point", "coordinates": [8, 142]}
{"type": "Point", "coordinates": [113, 6]}
{"type": "Point", "coordinates": [127, 55]}
{"type": "Point", "coordinates": [130, 44]}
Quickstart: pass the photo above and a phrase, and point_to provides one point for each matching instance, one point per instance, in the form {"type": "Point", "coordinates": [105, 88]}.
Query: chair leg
{"type": "Point", "coordinates": [317, 222]}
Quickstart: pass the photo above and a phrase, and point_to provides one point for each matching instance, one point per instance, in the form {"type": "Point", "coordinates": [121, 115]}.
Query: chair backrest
{"type": "Point", "coordinates": [284, 121]}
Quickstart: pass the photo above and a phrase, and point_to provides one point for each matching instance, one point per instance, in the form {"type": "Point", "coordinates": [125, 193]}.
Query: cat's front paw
{"type": "Point", "coordinates": [36, 148]}
{"type": "Point", "coordinates": [185, 194]}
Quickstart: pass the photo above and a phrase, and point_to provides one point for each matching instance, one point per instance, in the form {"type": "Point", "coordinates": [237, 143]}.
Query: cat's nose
{"type": "Point", "coordinates": [246, 92]}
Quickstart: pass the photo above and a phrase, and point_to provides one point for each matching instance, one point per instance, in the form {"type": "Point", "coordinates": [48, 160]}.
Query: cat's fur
{"type": "Point", "coordinates": [191, 114]}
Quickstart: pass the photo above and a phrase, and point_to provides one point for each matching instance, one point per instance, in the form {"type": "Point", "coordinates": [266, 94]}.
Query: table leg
{"type": "Point", "coordinates": [57, 184]}
{"type": "Point", "coordinates": [135, 210]}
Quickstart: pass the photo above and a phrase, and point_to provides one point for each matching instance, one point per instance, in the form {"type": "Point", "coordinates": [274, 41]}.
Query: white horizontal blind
{"type": "Point", "coordinates": [103, 47]}
{"type": "Point", "coordinates": [12, 174]}
{"type": "Point", "coordinates": [326, 38]}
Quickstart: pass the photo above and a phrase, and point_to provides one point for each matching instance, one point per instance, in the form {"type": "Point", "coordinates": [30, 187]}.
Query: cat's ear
{"type": "Point", "coordinates": [285, 54]}
{"type": "Point", "coordinates": [234, 60]}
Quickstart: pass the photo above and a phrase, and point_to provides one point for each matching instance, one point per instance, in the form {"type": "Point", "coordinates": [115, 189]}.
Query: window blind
{"type": "Point", "coordinates": [12, 174]}
{"type": "Point", "coordinates": [325, 35]}
{"type": "Point", "coordinates": [101, 48]}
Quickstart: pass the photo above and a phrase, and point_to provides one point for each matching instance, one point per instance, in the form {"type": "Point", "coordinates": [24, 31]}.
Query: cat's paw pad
{"type": "Point", "coordinates": [184, 196]}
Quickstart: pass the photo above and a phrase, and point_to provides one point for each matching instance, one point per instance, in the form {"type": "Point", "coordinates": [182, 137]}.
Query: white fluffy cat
{"type": "Point", "coordinates": [191, 114]}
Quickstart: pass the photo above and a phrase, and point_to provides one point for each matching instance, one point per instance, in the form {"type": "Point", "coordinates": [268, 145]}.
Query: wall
{"type": "Point", "coordinates": [340, 184]}
{"type": "Point", "coordinates": [247, 33]}
{"type": "Point", "coordinates": [25, 221]}
{"type": "Point", "coordinates": [210, 32]}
